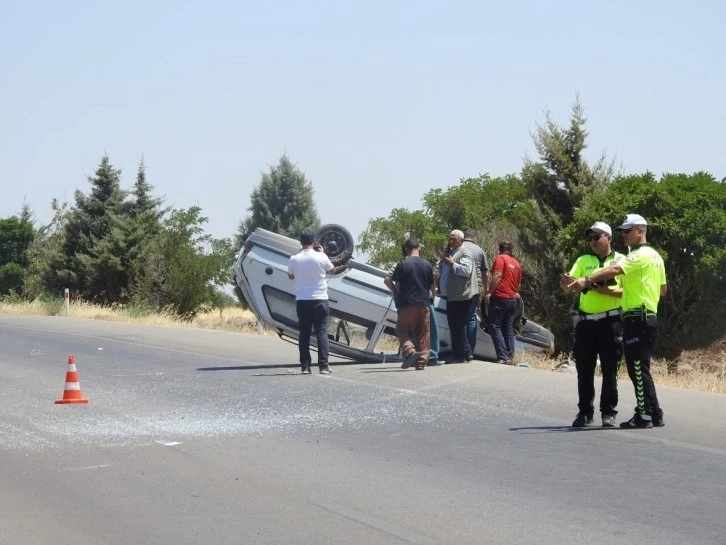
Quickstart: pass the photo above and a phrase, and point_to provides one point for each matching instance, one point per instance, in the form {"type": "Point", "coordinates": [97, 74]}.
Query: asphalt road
{"type": "Point", "coordinates": [202, 437]}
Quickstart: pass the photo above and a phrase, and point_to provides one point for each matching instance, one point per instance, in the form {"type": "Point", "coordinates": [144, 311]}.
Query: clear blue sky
{"type": "Point", "coordinates": [375, 101]}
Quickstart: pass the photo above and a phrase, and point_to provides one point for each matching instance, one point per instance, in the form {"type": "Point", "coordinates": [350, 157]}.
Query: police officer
{"type": "Point", "coordinates": [644, 283]}
{"type": "Point", "coordinates": [598, 329]}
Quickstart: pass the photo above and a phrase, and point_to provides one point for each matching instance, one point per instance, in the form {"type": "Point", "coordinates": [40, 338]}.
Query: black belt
{"type": "Point", "coordinates": [639, 313]}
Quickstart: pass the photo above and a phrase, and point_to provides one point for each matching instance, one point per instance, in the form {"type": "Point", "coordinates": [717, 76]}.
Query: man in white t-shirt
{"type": "Point", "coordinates": [308, 269]}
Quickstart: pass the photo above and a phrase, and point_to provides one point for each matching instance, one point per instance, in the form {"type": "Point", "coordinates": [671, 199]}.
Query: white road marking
{"type": "Point", "coordinates": [101, 466]}
{"type": "Point", "coordinates": [139, 375]}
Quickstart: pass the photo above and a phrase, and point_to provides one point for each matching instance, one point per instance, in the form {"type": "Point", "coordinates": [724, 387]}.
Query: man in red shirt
{"type": "Point", "coordinates": [502, 301]}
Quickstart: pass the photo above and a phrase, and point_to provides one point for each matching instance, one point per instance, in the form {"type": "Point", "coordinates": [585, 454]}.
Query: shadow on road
{"type": "Point", "coordinates": [296, 366]}
{"type": "Point", "coordinates": [558, 429]}
{"type": "Point", "coordinates": [387, 370]}
{"type": "Point", "coordinates": [251, 367]}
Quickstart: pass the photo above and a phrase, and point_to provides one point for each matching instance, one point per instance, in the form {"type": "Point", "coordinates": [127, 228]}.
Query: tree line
{"type": "Point", "coordinates": [116, 246]}
{"type": "Point", "coordinates": [544, 210]}
{"type": "Point", "coordinates": [123, 247]}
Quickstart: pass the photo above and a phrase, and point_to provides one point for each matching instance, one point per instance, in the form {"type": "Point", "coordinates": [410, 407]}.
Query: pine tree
{"type": "Point", "coordinates": [559, 184]}
{"type": "Point", "coordinates": [282, 202]}
{"type": "Point", "coordinates": [142, 226]}
{"type": "Point", "coordinates": [563, 179]}
{"type": "Point", "coordinates": [90, 265]}
{"type": "Point", "coordinates": [26, 214]}
{"type": "Point", "coordinates": [114, 262]}
{"type": "Point", "coordinates": [144, 204]}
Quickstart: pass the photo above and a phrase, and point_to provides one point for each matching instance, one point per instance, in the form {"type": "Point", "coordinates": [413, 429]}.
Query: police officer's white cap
{"type": "Point", "coordinates": [631, 220]}
{"type": "Point", "coordinates": [599, 227]}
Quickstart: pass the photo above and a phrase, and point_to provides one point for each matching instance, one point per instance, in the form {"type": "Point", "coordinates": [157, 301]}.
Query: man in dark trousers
{"type": "Point", "coordinates": [459, 287]}
{"type": "Point", "coordinates": [413, 288]}
{"type": "Point", "coordinates": [598, 329]}
{"type": "Point", "coordinates": [308, 269]}
{"type": "Point", "coordinates": [502, 301]}
{"type": "Point", "coordinates": [481, 267]}
{"type": "Point", "coordinates": [644, 283]}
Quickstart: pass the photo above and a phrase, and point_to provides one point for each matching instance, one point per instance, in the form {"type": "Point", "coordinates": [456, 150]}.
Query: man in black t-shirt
{"type": "Point", "coordinates": [413, 288]}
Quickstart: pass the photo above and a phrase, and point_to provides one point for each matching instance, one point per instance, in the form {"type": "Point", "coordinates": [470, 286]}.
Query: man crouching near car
{"type": "Point", "coordinates": [308, 269]}
{"type": "Point", "coordinates": [412, 285]}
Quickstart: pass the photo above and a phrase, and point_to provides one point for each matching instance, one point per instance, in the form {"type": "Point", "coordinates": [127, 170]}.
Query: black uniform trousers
{"type": "Point", "coordinates": [639, 333]}
{"type": "Point", "coordinates": [595, 338]}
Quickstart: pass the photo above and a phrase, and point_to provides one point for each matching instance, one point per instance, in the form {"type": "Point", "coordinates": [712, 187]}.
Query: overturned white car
{"type": "Point", "coordinates": [362, 313]}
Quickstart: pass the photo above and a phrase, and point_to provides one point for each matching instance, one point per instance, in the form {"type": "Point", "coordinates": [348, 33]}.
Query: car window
{"type": "Point", "coordinates": [344, 328]}
{"type": "Point", "coordinates": [282, 306]}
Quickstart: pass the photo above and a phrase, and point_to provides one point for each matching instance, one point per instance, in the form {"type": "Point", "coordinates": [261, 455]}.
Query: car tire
{"type": "Point", "coordinates": [519, 319]}
{"type": "Point", "coordinates": [484, 315]}
{"type": "Point", "coordinates": [337, 242]}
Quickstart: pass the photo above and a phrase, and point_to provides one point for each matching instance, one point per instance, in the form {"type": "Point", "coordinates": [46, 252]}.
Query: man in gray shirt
{"type": "Point", "coordinates": [462, 291]}
{"type": "Point", "coordinates": [481, 266]}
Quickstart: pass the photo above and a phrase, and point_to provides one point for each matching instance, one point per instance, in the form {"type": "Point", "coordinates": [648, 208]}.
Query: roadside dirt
{"type": "Point", "coordinates": [710, 359]}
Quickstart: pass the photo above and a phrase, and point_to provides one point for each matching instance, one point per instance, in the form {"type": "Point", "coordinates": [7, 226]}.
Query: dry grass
{"type": "Point", "coordinates": [703, 370]}
{"type": "Point", "coordinates": [227, 319]}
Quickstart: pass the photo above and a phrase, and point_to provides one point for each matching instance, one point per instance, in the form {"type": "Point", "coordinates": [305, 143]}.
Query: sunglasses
{"type": "Point", "coordinates": [625, 231]}
{"type": "Point", "coordinates": [594, 238]}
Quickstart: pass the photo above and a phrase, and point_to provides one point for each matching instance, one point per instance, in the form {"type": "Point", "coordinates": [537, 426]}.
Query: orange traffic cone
{"type": "Point", "coordinates": [72, 391]}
